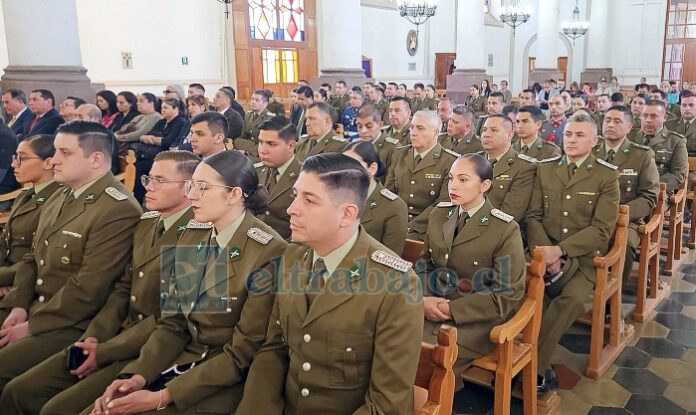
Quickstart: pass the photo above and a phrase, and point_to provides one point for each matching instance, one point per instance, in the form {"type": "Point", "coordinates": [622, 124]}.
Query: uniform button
{"type": "Point", "coordinates": [41, 262]}
{"type": "Point", "coordinates": [304, 392]}
{"type": "Point", "coordinates": [411, 195]}
{"type": "Point", "coordinates": [565, 230]}
{"type": "Point", "coordinates": [278, 322]}
{"type": "Point", "coordinates": [409, 208]}
{"type": "Point", "coordinates": [501, 186]}
{"type": "Point", "coordinates": [307, 338]}
{"type": "Point", "coordinates": [568, 197]}
{"type": "Point", "coordinates": [565, 213]}
{"type": "Point", "coordinates": [306, 366]}
{"type": "Point", "coordinates": [46, 242]}
{"type": "Point", "coordinates": [268, 213]}
{"type": "Point", "coordinates": [446, 257]}
{"type": "Point", "coordinates": [132, 298]}
{"type": "Point", "coordinates": [41, 299]}
{"type": "Point", "coordinates": [141, 274]}
{"type": "Point", "coordinates": [349, 349]}
{"type": "Point", "coordinates": [140, 316]}
{"type": "Point", "coordinates": [39, 282]}
{"type": "Point", "coordinates": [413, 182]}
{"type": "Point", "coordinates": [475, 262]}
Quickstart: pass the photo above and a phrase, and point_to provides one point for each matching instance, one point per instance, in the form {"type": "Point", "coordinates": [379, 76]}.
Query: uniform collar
{"type": "Point", "coordinates": [81, 190]}
{"type": "Point", "coordinates": [471, 212]}
{"type": "Point", "coordinates": [174, 218]}
{"type": "Point", "coordinates": [334, 258]}
{"type": "Point", "coordinates": [579, 162]}
{"type": "Point", "coordinates": [225, 235]}
{"type": "Point", "coordinates": [425, 153]}
{"type": "Point", "coordinates": [281, 169]}
{"type": "Point", "coordinates": [41, 186]}
{"type": "Point", "coordinates": [616, 149]}
{"type": "Point", "coordinates": [373, 186]}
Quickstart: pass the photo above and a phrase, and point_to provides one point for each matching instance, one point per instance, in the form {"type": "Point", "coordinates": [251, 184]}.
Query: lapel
{"type": "Point", "coordinates": [472, 229]}
{"type": "Point", "coordinates": [584, 171]}
{"type": "Point", "coordinates": [373, 201]}
{"type": "Point", "coordinates": [341, 283]}
{"type": "Point", "coordinates": [430, 158]}
{"type": "Point", "coordinates": [450, 226]}
{"type": "Point", "coordinates": [505, 163]}
{"type": "Point", "coordinates": [562, 171]}
{"type": "Point", "coordinates": [299, 298]}
{"type": "Point", "coordinates": [286, 180]}
{"type": "Point", "coordinates": [658, 138]}
{"type": "Point", "coordinates": [320, 145]}
{"type": "Point", "coordinates": [624, 153]}
{"type": "Point", "coordinates": [691, 129]}
{"type": "Point", "coordinates": [168, 239]}
{"type": "Point", "coordinates": [27, 203]}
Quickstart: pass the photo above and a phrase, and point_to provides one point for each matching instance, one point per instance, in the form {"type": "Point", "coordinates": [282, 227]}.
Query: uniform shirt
{"type": "Point", "coordinates": [470, 143]}
{"type": "Point", "coordinates": [334, 258]}
{"type": "Point", "coordinates": [225, 235]}
{"type": "Point", "coordinates": [671, 156]}
{"type": "Point", "coordinates": [329, 143]}
{"type": "Point", "coordinates": [513, 180]}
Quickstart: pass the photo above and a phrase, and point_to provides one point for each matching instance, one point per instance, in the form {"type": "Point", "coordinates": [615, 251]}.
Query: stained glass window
{"type": "Point", "coordinates": [277, 20]}
{"type": "Point", "coordinates": [279, 66]}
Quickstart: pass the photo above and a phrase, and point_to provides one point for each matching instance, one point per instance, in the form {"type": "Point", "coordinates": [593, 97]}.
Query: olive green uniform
{"type": "Point", "coordinates": [402, 135]}
{"type": "Point", "coordinates": [383, 107]}
{"type": "Point", "coordinates": [513, 180]}
{"type": "Point", "coordinates": [478, 300]}
{"type": "Point", "coordinates": [248, 142]}
{"type": "Point", "coordinates": [635, 129]}
{"type": "Point", "coordinates": [577, 213]}
{"type": "Point", "coordinates": [385, 218]}
{"type": "Point", "coordinates": [670, 155]}
{"type": "Point", "coordinates": [19, 230]}
{"type": "Point", "coordinates": [425, 104]}
{"type": "Point", "coordinates": [280, 196]}
{"type": "Point", "coordinates": [478, 105]}
{"type": "Point", "coordinates": [329, 143]}
{"type": "Point", "coordinates": [122, 326]}
{"type": "Point", "coordinates": [340, 103]}
{"type": "Point", "coordinates": [276, 107]}
{"type": "Point", "coordinates": [688, 130]}
{"type": "Point", "coordinates": [538, 149]}
{"type": "Point", "coordinates": [352, 350]}
{"type": "Point", "coordinates": [385, 146]}
{"type": "Point", "coordinates": [479, 124]}
{"type": "Point", "coordinates": [420, 185]}
{"type": "Point", "coordinates": [470, 143]}
{"type": "Point", "coordinates": [82, 246]}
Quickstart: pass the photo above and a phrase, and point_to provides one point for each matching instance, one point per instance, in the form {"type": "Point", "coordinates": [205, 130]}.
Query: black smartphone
{"type": "Point", "coordinates": [76, 357]}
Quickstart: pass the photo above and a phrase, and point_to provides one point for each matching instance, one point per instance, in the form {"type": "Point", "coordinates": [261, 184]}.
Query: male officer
{"type": "Point", "coordinates": [82, 244]}
{"type": "Point", "coordinates": [339, 99]}
{"type": "Point", "coordinates": [370, 129]}
{"type": "Point", "coordinates": [418, 172]}
{"type": "Point", "coordinates": [380, 102]}
{"type": "Point", "coordinates": [420, 100]}
{"type": "Point", "coordinates": [513, 173]}
{"type": "Point", "coordinates": [278, 171]}
{"type": "Point", "coordinates": [399, 119]}
{"type": "Point", "coordinates": [670, 148]}
{"type": "Point", "coordinates": [335, 346]}
{"type": "Point", "coordinates": [122, 326]}
{"type": "Point", "coordinates": [529, 122]}
{"type": "Point", "coordinates": [444, 110]}
{"type": "Point", "coordinates": [572, 216]}
{"type": "Point", "coordinates": [494, 105]}
{"type": "Point", "coordinates": [208, 132]}
{"type": "Point", "coordinates": [248, 142]}
{"type": "Point", "coordinates": [305, 98]}
{"type": "Point", "coordinates": [639, 181]}
{"type": "Point", "coordinates": [320, 136]}
{"type": "Point", "coordinates": [224, 104]}
{"type": "Point", "coordinates": [685, 125]}
{"type": "Point", "coordinates": [461, 137]}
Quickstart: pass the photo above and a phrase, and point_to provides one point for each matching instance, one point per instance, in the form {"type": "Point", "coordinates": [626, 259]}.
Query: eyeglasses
{"type": "Point", "coordinates": [156, 181]}
{"type": "Point", "coordinates": [198, 188]}
{"type": "Point", "coordinates": [17, 160]}
{"type": "Point", "coordinates": [167, 91]}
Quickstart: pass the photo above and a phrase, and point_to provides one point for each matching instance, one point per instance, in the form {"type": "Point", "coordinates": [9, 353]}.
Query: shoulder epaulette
{"type": "Point", "coordinates": [607, 164]}
{"type": "Point", "coordinates": [385, 128]}
{"type": "Point", "coordinates": [454, 153]}
{"type": "Point", "coordinates": [259, 236]}
{"type": "Point", "coordinates": [303, 136]}
{"type": "Point", "coordinates": [527, 158]}
{"type": "Point", "coordinates": [677, 134]}
{"type": "Point", "coordinates": [194, 224]}
{"type": "Point", "coordinates": [391, 261]}
{"type": "Point", "coordinates": [271, 114]}
{"type": "Point", "coordinates": [442, 134]}
{"type": "Point", "coordinates": [392, 140]}
{"type": "Point", "coordinates": [502, 215]}
{"type": "Point", "coordinates": [550, 159]}
{"type": "Point", "coordinates": [644, 147]}
{"type": "Point", "coordinates": [405, 146]}
{"type": "Point", "coordinates": [445, 204]}
{"type": "Point", "coordinates": [338, 138]}
{"type": "Point", "coordinates": [115, 193]}
{"type": "Point", "coordinates": [257, 165]}
{"type": "Point", "coordinates": [150, 215]}
{"type": "Point", "coordinates": [388, 194]}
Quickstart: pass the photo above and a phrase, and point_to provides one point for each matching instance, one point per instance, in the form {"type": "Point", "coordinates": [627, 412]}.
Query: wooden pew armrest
{"type": "Point", "coordinates": [512, 328]}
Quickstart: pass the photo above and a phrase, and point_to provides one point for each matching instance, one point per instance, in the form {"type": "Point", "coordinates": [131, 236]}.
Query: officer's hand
{"type": "Point", "coordinates": [551, 254]}
{"type": "Point", "coordinates": [16, 316]}
{"type": "Point", "coordinates": [134, 403]}
{"type": "Point", "coordinates": [5, 290]}
{"type": "Point", "coordinates": [13, 334]}
{"type": "Point", "coordinates": [89, 348]}
{"type": "Point", "coordinates": [120, 388]}
{"type": "Point", "coordinates": [555, 268]}
{"type": "Point", "coordinates": [431, 311]}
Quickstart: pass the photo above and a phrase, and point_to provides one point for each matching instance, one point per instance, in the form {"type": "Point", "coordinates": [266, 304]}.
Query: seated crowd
{"type": "Point", "coordinates": [266, 272]}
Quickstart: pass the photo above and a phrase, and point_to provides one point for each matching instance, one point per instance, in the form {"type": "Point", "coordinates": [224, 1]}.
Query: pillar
{"type": "Point", "coordinates": [547, 42]}
{"type": "Point", "coordinates": [471, 53]}
{"type": "Point", "coordinates": [340, 44]}
{"type": "Point", "coordinates": [43, 46]}
{"type": "Point", "coordinates": [598, 60]}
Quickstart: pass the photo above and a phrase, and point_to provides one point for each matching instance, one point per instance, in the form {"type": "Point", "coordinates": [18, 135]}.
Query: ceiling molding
{"type": "Point", "coordinates": [380, 4]}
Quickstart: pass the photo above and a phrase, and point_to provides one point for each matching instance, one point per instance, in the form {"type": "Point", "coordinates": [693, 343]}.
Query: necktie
{"type": "Point", "coordinates": [610, 156]}
{"type": "Point", "coordinates": [571, 169]}
{"type": "Point", "coordinates": [159, 231]}
{"type": "Point", "coordinates": [210, 274]}
{"type": "Point", "coordinates": [316, 281]}
{"type": "Point", "coordinates": [416, 160]}
{"type": "Point", "coordinates": [33, 124]}
{"type": "Point", "coordinates": [271, 178]}
{"type": "Point", "coordinates": [493, 161]}
{"type": "Point", "coordinates": [463, 217]}
{"type": "Point", "coordinates": [648, 138]}
{"type": "Point", "coordinates": [524, 149]}
{"type": "Point", "coordinates": [12, 121]}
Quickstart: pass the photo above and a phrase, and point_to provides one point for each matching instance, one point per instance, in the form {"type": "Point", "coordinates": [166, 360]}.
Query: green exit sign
{"type": "Point", "coordinates": [184, 60]}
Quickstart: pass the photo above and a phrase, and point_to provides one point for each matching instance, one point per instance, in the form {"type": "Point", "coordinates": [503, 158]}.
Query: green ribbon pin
{"type": "Point", "coordinates": [90, 197]}
{"type": "Point", "coordinates": [354, 272]}
{"type": "Point", "coordinates": [40, 200]}
{"type": "Point", "coordinates": [199, 246]}
{"type": "Point", "coordinates": [483, 219]}
{"type": "Point", "coordinates": [451, 212]}
{"type": "Point", "coordinates": [373, 203]}
{"type": "Point", "coordinates": [235, 252]}
{"type": "Point", "coordinates": [181, 228]}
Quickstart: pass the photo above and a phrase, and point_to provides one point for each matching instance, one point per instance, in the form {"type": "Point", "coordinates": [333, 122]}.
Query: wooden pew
{"type": "Point", "coordinates": [412, 250]}
{"type": "Point", "coordinates": [127, 175]}
{"type": "Point", "coordinates": [5, 216]}
{"type": "Point", "coordinates": [517, 343]}
{"type": "Point", "coordinates": [435, 376]}
{"type": "Point", "coordinates": [673, 248]}
{"type": "Point", "coordinates": [608, 278]}
{"type": "Point", "coordinates": [649, 291]}
{"type": "Point", "coordinates": [690, 197]}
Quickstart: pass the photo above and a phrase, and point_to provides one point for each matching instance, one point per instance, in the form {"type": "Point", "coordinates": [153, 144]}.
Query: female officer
{"type": "Point", "coordinates": [474, 262]}
{"type": "Point", "coordinates": [385, 217]}
{"type": "Point", "coordinates": [32, 165]}
{"type": "Point", "coordinates": [221, 298]}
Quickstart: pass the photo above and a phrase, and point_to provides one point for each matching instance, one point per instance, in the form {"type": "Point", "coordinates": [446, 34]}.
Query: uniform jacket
{"type": "Point", "coordinates": [402, 135]}
{"type": "Point", "coordinates": [385, 218]}
{"type": "Point", "coordinates": [276, 215]}
{"type": "Point", "coordinates": [470, 143]}
{"type": "Point", "coordinates": [478, 105]}
{"type": "Point", "coordinates": [540, 149]}
{"type": "Point", "coordinates": [353, 352]}
{"type": "Point", "coordinates": [425, 104]}
{"type": "Point", "coordinates": [329, 143]}
{"type": "Point", "coordinates": [689, 131]}
{"type": "Point", "coordinates": [513, 180]}
{"type": "Point", "coordinates": [248, 142]}
{"type": "Point", "coordinates": [385, 145]}
{"type": "Point", "coordinates": [553, 133]}
{"type": "Point", "coordinates": [235, 123]}
{"type": "Point", "coordinates": [671, 156]}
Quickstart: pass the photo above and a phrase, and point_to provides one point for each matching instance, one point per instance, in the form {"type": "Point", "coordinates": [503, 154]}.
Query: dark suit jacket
{"type": "Point", "coordinates": [46, 125]}
{"type": "Point", "coordinates": [235, 122]}
{"type": "Point", "coordinates": [18, 126]}
{"type": "Point", "coordinates": [8, 146]}
{"type": "Point", "coordinates": [237, 107]}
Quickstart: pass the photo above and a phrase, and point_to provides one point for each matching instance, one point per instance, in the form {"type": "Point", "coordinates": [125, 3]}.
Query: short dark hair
{"type": "Point", "coordinates": [510, 109]}
{"type": "Point", "coordinates": [465, 112]}
{"type": "Point", "coordinates": [603, 95]}
{"type": "Point", "coordinates": [370, 111]}
{"type": "Point", "coordinates": [687, 94]}
{"type": "Point", "coordinates": [641, 96]}
{"type": "Point", "coordinates": [394, 84]}
{"type": "Point", "coordinates": [418, 85]}
{"type": "Point", "coordinates": [382, 84]}
{"type": "Point", "coordinates": [367, 151]}
{"type": "Point", "coordinates": [404, 100]}
{"type": "Point", "coordinates": [672, 83]}
{"type": "Point", "coordinates": [323, 93]}
{"type": "Point", "coordinates": [77, 101]}
{"type": "Point", "coordinates": [42, 145]}
{"type": "Point", "coordinates": [285, 128]}
{"type": "Point", "coordinates": [476, 87]}
{"type": "Point", "coordinates": [340, 172]}
{"type": "Point", "coordinates": [16, 94]}
{"type": "Point", "coordinates": [197, 86]}
{"type": "Point", "coordinates": [323, 107]}
{"type": "Point", "coordinates": [326, 85]}
{"type": "Point", "coordinates": [264, 94]}
{"type": "Point", "coordinates": [535, 112]}
{"type": "Point", "coordinates": [659, 91]}
{"type": "Point", "coordinates": [342, 82]}
{"type": "Point", "coordinates": [236, 170]}
{"type": "Point", "coordinates": [306, 91]}
{"type": "Point", "coordinates": [356, 89]}
{"type": "Point", "coordinates": [303, 81]}
{"type": "Point", "coordinates": [482, 166]}
{"type": "Point", "coordinates": [92, 137]}
{"type": "Point", "coordinates": [617, 97]}
{"type": "Point", "coordinates": [186, 161]}
{"type": "Point", "coordinates": [174, 103]}
{"type": "Point", "coordinates": [379, 88]}
{"type": "Point", "coordinates": [230, 92]}
{"type": "Point", "coordinates": [404, 85]}
{"type": "Point", "coordinates": [625, 111]}
{"type": "Point", "coordinates": [131, 99]}
{"type": "Point", "coordinates": [528, 90]}
{"type": "Point", "coordinates": [217, 123]}
{"type": "Point", "coordinates": [46, 94]}
{"type": "Point", "coordinates": [498, 95]}
{"type": "Point", "coordinates": [431, 86]}
{"type": "Point", "coordinates": [656, 103]}
{"type": "Point", "coordinates": [506, 120]}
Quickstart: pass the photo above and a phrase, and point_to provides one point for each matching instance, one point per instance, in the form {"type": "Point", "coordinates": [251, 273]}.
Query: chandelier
{"type": "Point", "coordinates": [575, 28]}
{"type": "Point", "coordinates": [515, 15]}
{"type": "Point", "coordinates": [227, 7]}
{"type": "Point", "coordinates": [417, 11]}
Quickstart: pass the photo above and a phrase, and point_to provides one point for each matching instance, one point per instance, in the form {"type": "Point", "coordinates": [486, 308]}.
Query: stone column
{"type": "Point", "coordinates": [547, 42]}
{"type": "Point", "coordinates": [471, 59]}
{"type": "Point", "coordinates": [598, 60]}
{"type": "Point", "coordinates": [340, 44]}
{"type": "Point", "coordinates": [43, 47]}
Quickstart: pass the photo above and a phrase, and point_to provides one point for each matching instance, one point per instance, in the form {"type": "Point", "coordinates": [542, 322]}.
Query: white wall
{"type": "Point", "coordinates": [3, 44]}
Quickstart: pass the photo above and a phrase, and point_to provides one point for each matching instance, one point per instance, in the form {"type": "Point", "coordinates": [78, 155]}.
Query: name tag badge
{"type": "Point", "coordinates": [73, 234]}
{"type": "Point", "coordinates": [433, 176]}
{"type": "Point", "coordinates": [628, 172]}
{"type": "Point", "coordinates": [587, 193]}
{"type": "Point", "coordinates": [503, 177]}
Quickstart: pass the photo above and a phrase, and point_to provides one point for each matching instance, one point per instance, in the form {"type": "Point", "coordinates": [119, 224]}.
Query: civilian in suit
{"type": "Point", "coordinates": [46, 119]}
{"type": "Point", "coordinates": [14, 102]}
{"type": "Point", "coordinates": [8, 146]}
{"type": "Point", "coordinates": [68, 108]}
{"type": "Point", "coordinates": [234, 104]}
{"type": "Point", "coordinates": [223, 104]}
{"type": "Point", "coordinates": [305, 98]}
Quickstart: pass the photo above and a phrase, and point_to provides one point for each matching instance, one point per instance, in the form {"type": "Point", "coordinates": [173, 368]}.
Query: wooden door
{"type": "Point", "coordinates": [563, 67]}
{"type": "Point", "coordinates": [444, 65]}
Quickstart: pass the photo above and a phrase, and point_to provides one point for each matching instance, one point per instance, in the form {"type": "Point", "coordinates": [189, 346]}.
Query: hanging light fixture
{"type": "Point", "coordinates": [227, 7]}
{"type": "Point", "coordinates": [514, 15]}
{"type": "Point", "coordinates": [417, 11]}
{"type": "Point", "coordinates": [575, 28]}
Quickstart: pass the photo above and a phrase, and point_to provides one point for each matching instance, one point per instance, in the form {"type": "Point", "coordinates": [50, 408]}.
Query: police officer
{"type": "Point", "coordinates": [639, 180]}
{"type": "Point", "coordinates": [221, 296]}
{"type": "Point", "coordinates": [494, 105]}
{"type": "Point", "coordinates": [572, 216]}
{"type": "Point", "coordinates": [380, 102]}
{"type": "Point", "coordinates": [670, 148]}
{"type": "Point", "coordinates": [685, 125]}
{"type": "Point", "coordinates": [399, 120]}
{"type": "Point", "coordinates": [278, 171]}
{"type": "Point", "coordinates": [637, 104]}
{"type": "Point", "coordinates": [335, 346]}
{"type": "Point", "coordinates": [444, 110]}
{"type": "Point", "coordinates": [339, 99]}
{"type": "Point", "coordinates": [128, 317]}
{"type": "Point", "coordinates": [475, 101]}
{"type": "Point", "coordinates": [274, 106]}
{"type": "Point", "coordinates": [420, 100]}
{"type": "Point", "coordinates": [418, 172]}
{"type": "Point", "coordinates": [248, 142]}
{"type": "Point", "coordinates": [602, 105]}
{"type": "Point", "coordinates": [32, 165]}
{"type": "Point", "coordinates": [82, 244]}
{"type": "Point", "coordinates": [461, 137]}
{"type": "Point", "coordinates": [529, 122]}
{"type": "Point", "coordinates": [320, 136]}
{"type": "Point", "coordinates": [481, 249]}
{"type": "Point", "coordinates": [370, 129]}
